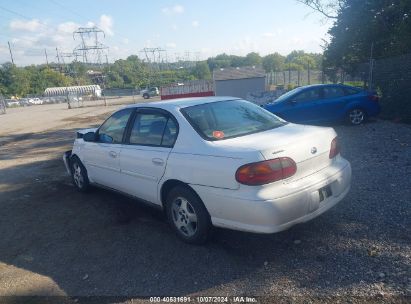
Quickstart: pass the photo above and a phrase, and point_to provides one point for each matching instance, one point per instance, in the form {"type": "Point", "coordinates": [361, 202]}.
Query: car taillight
{"type": "Point", "coordinates": [335, 148]}
{"type": "Point", "coordinates": [374, 98]}
{"type": "Point", "coordinates": [265, 172]}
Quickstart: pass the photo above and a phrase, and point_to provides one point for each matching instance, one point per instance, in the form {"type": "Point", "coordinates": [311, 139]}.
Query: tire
{"type": "Point", "coordinates": [356, 116]}
{"type": "Point", "coordinates": [79, 175]}
{"type": "Point", "coordinates": [146, 96]}
{"type": "Point", "coordinates": [187, 215]}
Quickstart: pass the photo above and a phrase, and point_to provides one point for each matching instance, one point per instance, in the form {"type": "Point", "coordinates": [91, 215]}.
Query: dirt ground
{"type": "Point", "coordinates": [55, 241]}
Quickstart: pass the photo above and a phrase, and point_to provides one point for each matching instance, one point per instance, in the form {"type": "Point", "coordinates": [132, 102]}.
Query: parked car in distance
{"type": "Point", "coordinates": [218, 161]}
{"type": "Point", "coordinates": [12, 103]}
{"type": "Point", "coordinates": [36, 101]}
{"type": "Point", "coordinates": [147, 93]}
{"type": "Point", "coordinates": [24, 102]}
{"type": "Point", "coordinates": [326, 103]}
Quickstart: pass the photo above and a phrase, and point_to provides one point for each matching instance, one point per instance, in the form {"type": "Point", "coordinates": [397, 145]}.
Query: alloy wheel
{"type": "Point", "coordinates": [356, 116]}
{"type": "Point", "coordinates": [77, 175]}
{"type": "Point", "coordinates": [184, 216]}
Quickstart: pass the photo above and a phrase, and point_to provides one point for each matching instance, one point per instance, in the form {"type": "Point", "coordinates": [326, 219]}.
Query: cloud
{"type": "Point", "coordinates": [171, 45]}
{"type": "Point", "coordinates": [268, 34]}
{"type": "Point", "coordinates": [106, 24]}
{"type": "Point", "coordinates": [274, 33]}
{"type": "Point", "coordinates": [67, 27]}
{"type": "Point", "coordinates": [195, 23]}
{"type": "Point", "coordinates": [31, 37]}
{"type": "Point", "coordinates": [29, 26]}
{"type": "Point", "coordinates": [174, 10]}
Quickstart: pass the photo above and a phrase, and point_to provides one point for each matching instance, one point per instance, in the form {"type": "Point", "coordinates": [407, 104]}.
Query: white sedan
{"type": "Point", "coordinates": [218, 161]}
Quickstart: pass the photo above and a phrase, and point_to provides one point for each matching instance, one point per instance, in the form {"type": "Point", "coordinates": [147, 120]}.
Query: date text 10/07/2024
{"type": "Point", "coordinates": [203, 299]}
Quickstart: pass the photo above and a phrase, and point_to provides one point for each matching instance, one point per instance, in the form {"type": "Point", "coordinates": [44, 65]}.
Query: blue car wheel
{"type": "Point", "coordinates": [356, 116]}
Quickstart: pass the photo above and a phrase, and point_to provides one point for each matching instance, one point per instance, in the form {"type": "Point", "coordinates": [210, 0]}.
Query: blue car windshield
{"type": "Point", "coordinates": [288, 94]}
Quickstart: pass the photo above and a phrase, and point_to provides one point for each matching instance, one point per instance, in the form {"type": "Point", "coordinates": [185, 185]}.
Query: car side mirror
{"type": "Point", "coordinates": [89, 136]}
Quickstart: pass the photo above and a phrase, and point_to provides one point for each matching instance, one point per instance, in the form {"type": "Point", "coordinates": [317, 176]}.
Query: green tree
{"type": "Point", "coordinates": [273, 62]}
{"type": "Point", "coordinates": [382, 25]}
{"type": "Point", "coordinates": [202, 71]}
{"type": "Point", "coordinates": [253, 59]}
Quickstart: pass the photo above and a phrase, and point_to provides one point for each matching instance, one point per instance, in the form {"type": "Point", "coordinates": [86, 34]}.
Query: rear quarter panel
{"type": "Point", "coordinates": [211, 169]}
{"type": "Point", "coordinates": [372, 108]}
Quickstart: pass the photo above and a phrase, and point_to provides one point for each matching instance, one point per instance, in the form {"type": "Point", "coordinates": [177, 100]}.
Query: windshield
{"type": "Point", "coordinates": [228, 119]}
{"type": "Point", "coordinates": [288, 94]}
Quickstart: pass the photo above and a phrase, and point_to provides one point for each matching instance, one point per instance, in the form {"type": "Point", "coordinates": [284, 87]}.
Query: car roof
{"type": "Point", "coordinates": [320, 85]}
{"type": "Point", "coordinates": [180, 103]}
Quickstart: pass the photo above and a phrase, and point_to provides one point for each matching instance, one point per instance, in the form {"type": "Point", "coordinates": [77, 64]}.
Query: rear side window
{"type": "Point", "coordinates": [228, 119]}
{"type": "Point", "coordinates": [351, 91]}
{"type": "Point", "coordinates": [112, 130]}
{"type": "Point", "coordinates": [333, 92]}
{"type": "Point", "coordinates": [153, 129]}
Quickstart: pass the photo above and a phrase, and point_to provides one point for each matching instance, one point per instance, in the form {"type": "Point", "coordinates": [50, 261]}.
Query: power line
{"type": "Point", "coordinates": [25, 17]}
{"type": "Point", "coordinates": [81, 16]}
{"type": "Point", "coordinates": [69, 9]}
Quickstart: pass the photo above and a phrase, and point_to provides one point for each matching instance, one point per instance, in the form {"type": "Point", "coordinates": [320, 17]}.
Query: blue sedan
{"type": "Point", "coordinates": [326, 103]}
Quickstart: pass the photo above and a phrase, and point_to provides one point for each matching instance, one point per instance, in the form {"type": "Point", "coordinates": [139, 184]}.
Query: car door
{"type": "Point", "coordinates": [332, 103]}
{"type": "Point", "coordinates": [102, 157]}
{"type": "Point", "coordinates": [149, 141]}
{"type": "Point", "coordinates": [301, 107]}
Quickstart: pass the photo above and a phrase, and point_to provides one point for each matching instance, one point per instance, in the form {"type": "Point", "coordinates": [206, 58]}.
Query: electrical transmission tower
{"type": "Point", "coordinates": [153, 56]}
{"type": "Point", "coordinates": [90, 48]}
{"type": "Point", "coordinates": [92, 51]}
{"type": "Point", "coordinates": [154, 59]}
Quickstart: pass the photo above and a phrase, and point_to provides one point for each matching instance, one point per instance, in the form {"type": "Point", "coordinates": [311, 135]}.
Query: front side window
{"type": "Point", "coordinates": [112, 130]}
{"type": "Point", "coordinates": [153, 129]}
{"type": "Point", "coordinates": [308, 95]}
{"type": "Point", "coordinates": [228, 119]}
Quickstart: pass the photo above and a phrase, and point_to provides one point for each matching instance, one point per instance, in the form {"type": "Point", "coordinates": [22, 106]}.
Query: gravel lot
{"type": "Point", "coordinates": [56, 241]}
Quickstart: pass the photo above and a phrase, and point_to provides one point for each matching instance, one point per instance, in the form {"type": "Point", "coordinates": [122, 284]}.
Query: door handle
{"type": "Point", "coordinates": [158, 161]}
{"type": "Point", "coordinates": [112, 154]}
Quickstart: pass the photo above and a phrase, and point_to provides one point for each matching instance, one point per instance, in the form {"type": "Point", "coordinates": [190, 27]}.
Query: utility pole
{"type": "Point", "coordinates": [11, 54]}
{"type": "Point", "coordinates": [45, 53]}
{"type": "Point", "coordinates": [370, 76]}
{"type": "Point", "coordinates": [309, 74]}
{"type": "Point", "coordinates": [289, 73]}
{"type": "Point", "coordinates": [58, 57]}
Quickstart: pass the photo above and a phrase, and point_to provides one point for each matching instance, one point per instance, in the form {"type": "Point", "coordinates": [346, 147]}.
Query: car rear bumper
{"type": "Point", "coordinates": [277, 214]}
{"type": "Point", "coordinates": [66, 160]}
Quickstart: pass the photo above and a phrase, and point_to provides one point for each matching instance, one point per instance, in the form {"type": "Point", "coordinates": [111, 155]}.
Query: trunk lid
{"type": "Point", "coordinates": [308, 146]}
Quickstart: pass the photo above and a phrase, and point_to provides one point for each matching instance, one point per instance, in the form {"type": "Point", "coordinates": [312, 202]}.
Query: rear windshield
{"type": "Point", "coordinates": [228, 119]}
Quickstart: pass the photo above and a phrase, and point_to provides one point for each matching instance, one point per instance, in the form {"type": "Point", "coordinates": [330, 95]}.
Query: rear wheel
{"type": "Point", "coordinates": [356, 116]}
{"type": "Point", "coordinates": [79, 175]}
{"type": "Point", "coordinates": [187, 215]}
{"type": "Point", "coordinates": [146, 96]}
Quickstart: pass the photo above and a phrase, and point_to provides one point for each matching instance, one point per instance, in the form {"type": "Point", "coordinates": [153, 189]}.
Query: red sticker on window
{"type": "Point", "coordinates": [218, 134]}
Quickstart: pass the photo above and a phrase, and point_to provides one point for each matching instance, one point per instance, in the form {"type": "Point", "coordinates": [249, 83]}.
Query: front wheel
{"type": "Point", "coordinates": [356, 116]}
{"type": "Point", "coordinates": [79, 175]}
{"type": "Point", "coordinates": [187, 215]}
{"type": "Point", "coordinates": [146, 96]}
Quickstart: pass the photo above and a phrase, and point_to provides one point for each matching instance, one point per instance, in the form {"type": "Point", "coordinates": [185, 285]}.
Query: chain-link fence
{"type": "Point", "coordinates": [289, 79]}
{"type": "Point", "coordinates": [391, 78]}
{"type": "Point", "coordinates": [107, 98]}
{"type": "Point", "coordinates": [2, 105]}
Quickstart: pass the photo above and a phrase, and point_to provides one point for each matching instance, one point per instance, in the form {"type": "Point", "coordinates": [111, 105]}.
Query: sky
{"type": "Point", "coordinates": [192, 29]}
